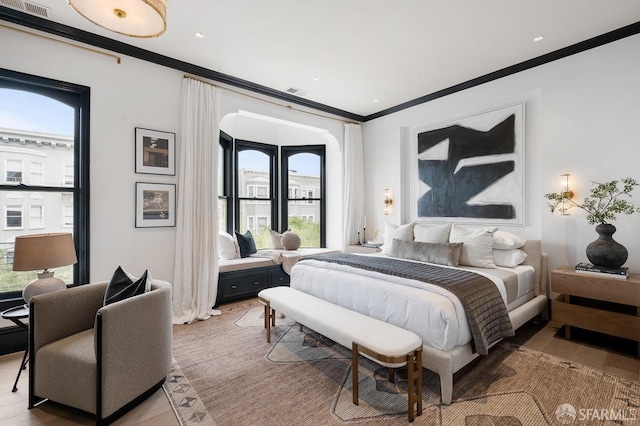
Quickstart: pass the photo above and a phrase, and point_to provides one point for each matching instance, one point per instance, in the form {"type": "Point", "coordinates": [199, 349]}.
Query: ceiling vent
{"type": "Point", "coordinates": [295, 91]}
{"type": "Point", "coordinates": [26, 6]}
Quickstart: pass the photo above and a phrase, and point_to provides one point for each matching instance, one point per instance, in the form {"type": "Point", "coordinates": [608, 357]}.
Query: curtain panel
{"type": "Point", "coordinates": [353, 184]}
{"type": "Point", "coordinates": [195, 281]}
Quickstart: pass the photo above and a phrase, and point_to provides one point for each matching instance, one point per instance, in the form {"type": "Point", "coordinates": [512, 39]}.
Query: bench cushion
{"type": "Point", "coordinates": [342, 325]}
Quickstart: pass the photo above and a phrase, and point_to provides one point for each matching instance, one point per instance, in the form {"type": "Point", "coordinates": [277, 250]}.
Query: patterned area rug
{"type": "Point", "coordinates": [303, 378]}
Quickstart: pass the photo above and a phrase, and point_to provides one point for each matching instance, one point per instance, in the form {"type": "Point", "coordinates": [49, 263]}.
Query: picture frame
{"type": "Point", "coordinates": [155, 152]}
{"type": "Point", "coordinates": [155, 205]}
{"type": "Point", "coordinates": [469, 169]}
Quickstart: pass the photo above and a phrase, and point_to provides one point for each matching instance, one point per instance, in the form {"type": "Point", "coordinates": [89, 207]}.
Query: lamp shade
{"type": "Point", "coordinates": [134, 18]}
{"type": "Point", "coordinates": [43, 251]}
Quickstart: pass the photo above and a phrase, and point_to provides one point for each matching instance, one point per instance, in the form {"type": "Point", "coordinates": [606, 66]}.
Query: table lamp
{"type": "Point", "coordinates": [43, 251]}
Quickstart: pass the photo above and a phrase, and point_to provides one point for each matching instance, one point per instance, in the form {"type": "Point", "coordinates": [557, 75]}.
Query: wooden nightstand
{"type": "Point", "coordinates": [580, 303]}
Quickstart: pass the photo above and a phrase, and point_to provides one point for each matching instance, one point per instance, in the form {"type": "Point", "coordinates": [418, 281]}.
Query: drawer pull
{"type": "Point", "coordinates": [234, 287]}
{"type": "Point", "coordinates": [256, 282]}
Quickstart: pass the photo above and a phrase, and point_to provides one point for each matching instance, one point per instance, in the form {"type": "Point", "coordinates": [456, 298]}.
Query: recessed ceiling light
{"type": "Point", "coordinates": [537, 39]}
{"type": "Point", "coordinates": [199, 35]}
{"type": "Point", "coordinates": [316, 78]}
{"type": "Point", "coordinates": [375, 100]}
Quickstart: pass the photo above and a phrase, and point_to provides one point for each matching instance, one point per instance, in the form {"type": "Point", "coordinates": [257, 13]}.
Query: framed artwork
{"type": "Point", "coordinates": [470, 169]}
{"type": "Point", "coordinates": [155, 152]}
{"type": "Point", "coordinates": [155, 205]}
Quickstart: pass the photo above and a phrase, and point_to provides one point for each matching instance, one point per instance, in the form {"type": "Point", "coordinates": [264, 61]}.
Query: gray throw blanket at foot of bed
{"type": "Point", "coordinates": [485, 309]}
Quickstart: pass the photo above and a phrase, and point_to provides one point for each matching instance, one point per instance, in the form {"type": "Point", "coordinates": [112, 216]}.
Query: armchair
{"type": "Point", "coordinates": [102, 360]}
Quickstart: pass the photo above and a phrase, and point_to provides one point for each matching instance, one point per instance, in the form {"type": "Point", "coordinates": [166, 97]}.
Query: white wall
{"type": "Point", "coordinates": [582, 117]}
{"type": "Point", "coordinates": [123, 97]}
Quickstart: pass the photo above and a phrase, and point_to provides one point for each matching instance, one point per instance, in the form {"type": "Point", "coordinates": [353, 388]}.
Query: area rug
{"type": "Point", "coordinates": [302, 378]}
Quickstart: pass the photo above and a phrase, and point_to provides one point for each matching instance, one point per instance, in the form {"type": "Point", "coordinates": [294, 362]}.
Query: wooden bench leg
{"type": "Point", "coordinates": [268, 314]}
{"type": "Point", "coordinates": [392, 374]}
{"type": "Point", "coordinates": [354, 372]}
{"type": "Point", "coordinates": [414, 376]}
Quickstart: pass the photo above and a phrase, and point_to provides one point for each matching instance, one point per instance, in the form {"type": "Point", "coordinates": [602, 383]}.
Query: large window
{"type": "Point", "coordinates": [225, 201]}
{"type": "Point", "coordinates": [44, 142]}
{"type": "Point", "coordinates": [303, 180]}
{"type": "Point", "coordinates": [256, 190]}
{"type": "Point", "coordinates": [254, 203]}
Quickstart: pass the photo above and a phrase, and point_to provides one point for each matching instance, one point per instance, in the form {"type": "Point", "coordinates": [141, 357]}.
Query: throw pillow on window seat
{"type": "Point", "coordinates": [290, 241]}
{"type": "Point", "coordinates": [247, 244]}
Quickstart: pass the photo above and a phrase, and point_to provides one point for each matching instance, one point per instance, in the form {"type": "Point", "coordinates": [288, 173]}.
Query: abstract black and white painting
{"type": "Point", "coordinates": [472, 169]}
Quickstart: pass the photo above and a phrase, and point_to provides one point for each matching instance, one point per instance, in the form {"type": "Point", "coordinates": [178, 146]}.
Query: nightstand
{"type": "Point", "coordinates": [363, 249]}
{"type": "Point", "coordinates": [597, 303]}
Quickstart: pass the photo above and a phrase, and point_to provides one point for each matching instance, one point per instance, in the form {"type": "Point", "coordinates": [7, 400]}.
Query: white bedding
{"type": "Point", "coordinates": [431, 312]}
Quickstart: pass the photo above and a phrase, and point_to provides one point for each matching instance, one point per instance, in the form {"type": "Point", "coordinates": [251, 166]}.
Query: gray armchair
{"type": "Point", "coordinates": [102, 360]}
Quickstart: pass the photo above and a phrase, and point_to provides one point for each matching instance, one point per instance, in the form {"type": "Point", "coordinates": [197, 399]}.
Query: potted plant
{"type": "Point", "coordinates": [603, 204]}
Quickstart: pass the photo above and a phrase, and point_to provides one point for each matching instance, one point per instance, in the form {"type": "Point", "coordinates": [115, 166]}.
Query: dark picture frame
{"type": "Point", "coordinates": [155, 205]}
{"type": "Point", "coordinates": [155, 152]}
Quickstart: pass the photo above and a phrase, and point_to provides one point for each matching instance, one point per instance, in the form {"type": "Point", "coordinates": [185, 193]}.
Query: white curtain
{"type": "Point", "coordinates": [353, 184]}
{"type": "Point", "coordinates": [195, 278]}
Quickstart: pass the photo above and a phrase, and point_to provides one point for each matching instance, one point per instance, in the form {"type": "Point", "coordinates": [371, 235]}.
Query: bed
{"type": "Point", "coordinates": [433, 313]}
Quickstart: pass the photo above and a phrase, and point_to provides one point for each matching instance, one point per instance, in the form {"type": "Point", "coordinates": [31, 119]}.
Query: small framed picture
{"type": "Point", "coordinates": [155, 205]}
{"type": "Point", "coordinates": [155, 152]}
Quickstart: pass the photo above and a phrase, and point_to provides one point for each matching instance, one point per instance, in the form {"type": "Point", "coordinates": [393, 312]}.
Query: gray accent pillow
{"type": "Point", "coordinates": [290, 241]}
{"type": "Point", "coordinates": [439, 253]}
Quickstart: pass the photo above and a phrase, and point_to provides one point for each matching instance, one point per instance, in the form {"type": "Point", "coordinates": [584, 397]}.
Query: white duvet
{"type": "Point", "coordinates": [433, 313]}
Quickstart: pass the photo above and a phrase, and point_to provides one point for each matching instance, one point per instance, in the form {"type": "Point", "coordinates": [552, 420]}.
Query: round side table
{"type": "Point", "coordinates": [17, 315]}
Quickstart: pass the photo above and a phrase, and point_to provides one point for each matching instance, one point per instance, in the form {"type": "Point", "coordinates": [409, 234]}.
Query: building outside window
{"type": "Point", "coordinates": [13, 215]}
{"type": "Point", "coordinates": [13, 171]}
{"type": "Point", "coordinates": [36, 217]}
{"type": "Point", "coordinates": [37, 173]}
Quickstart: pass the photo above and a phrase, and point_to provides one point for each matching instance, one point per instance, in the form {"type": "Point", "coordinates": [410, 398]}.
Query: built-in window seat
{"type": "Point", "coordinates": [245, 277]}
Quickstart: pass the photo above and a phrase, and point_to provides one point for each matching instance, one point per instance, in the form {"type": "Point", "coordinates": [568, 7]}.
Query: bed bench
{"type": "Point", "coordinates": [384, 343]}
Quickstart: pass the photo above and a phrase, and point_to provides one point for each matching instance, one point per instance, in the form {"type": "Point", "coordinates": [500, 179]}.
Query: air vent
{"type": "Point", "coordinates": [296, 91]}
{"type": "Point", "coordinates": [26, 6]}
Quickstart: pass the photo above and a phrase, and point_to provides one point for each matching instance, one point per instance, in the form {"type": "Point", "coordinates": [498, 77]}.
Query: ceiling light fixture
{"type": "Point", "coordinates": [133, 18]}
{"type": "Point", "coordinates": [199, 34]}
{"type": "Point", "coordinates": [537, 39]}
{"type": "Point", "coordinates": [316, 78]}
{"type": "Point", "coordinates": [375, 100]}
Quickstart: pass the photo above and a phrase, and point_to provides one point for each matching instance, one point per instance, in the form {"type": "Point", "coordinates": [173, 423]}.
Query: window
{"type": "Point", "coordinates": [255, 167]}
{"type": "Point", "coordinates": [67, 215]}
{"type": "Point", "coordinates": [225, 218]}
{"type": "Point", "coordinates": [59, 146]}
{"type": "Point", "coordinates": [67, 179]}
{"type": "Point", "coordinates": [37, 173]}
{"type": "Point", "coordinates": [251, 224]}
{"type": "Point", "coordinates": [13, 216]}
{"type": "Point", "coordinates": [14, 171]}
{"type": "Point", "coordinates": [36, 217]}
{"type": "Point", "coordinates": [304, 167]}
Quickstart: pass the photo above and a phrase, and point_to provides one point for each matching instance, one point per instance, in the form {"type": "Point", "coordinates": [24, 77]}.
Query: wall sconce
{"type": "Point", "coordinates": [566, 193]}
{"type": "Point", "coordinates": [388, 201]}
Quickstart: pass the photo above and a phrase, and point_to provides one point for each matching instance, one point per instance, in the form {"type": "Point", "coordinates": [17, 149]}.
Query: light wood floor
{"type": "Point", "coordinates": [595, 351]}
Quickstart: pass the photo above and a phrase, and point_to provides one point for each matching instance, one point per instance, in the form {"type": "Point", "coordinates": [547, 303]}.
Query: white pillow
{"type": "Point", "coordinates": [478, 245]}
{"type": "Point", "coordinates": [503, 240]}
{"type": "Point", "coordinates": [276, 238]}
{"type": "Point", "coordinates": [509, 258]}
{"type": "Point", "coordinates": [401, 232]}
{"type": "Point", "coordinates": [431, 233]}
{"type": "Point", "coordinates": [227, 246]}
